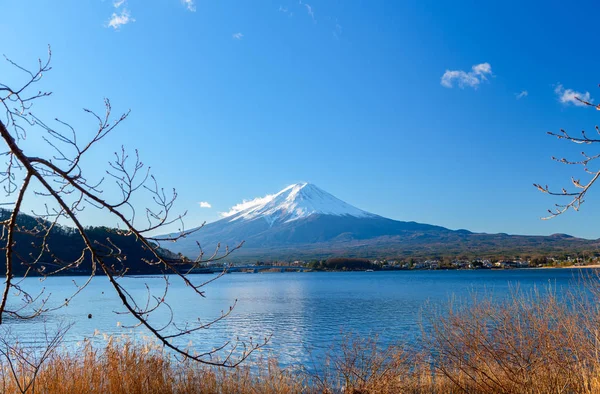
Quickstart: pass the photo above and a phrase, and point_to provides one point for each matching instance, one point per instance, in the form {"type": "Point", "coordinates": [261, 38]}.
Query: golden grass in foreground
{"type": "Point", "coordinates": [528, 343]}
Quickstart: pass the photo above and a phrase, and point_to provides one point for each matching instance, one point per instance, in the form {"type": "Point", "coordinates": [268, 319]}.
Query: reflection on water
{"type": "Point", "coordinates": [302, 311]}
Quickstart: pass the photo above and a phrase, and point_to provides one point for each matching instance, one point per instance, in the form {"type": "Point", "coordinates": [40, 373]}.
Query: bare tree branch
{"type": "Point", "coordinates": [60, 180]}
{"type": "Point", "coordinates": [579, 190]}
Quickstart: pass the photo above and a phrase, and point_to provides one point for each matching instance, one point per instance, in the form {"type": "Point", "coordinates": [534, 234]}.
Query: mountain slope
{"type": "Point", "coordinates": [303, 221]}
{"type": "Point", "coordinates": [64, 245]}
{"type": "Point", "coordinates": [295, 202]}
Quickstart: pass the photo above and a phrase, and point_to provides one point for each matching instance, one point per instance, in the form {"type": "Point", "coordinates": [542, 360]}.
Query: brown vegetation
{"type": "Point", "coordinates": [529, 343]}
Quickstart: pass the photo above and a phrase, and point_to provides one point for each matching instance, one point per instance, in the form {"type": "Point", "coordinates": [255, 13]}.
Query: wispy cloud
{"type": "Point", "coordinates": [118, 3]}
{"type": "Point", "coordinates": [337, 31]}
{"type": "Point", "coordinates": [204, 204]}
{"type": "Point", "coordinates": [521, 94]}
{"type": "Point", "coordinates": [473, 78]}
{"type": "Point", "coordinates": [570, 96]}
{"type": "Point", "coordinates": [190, 5]}
{"type": "Point", "coordinates": [118, 20]}
{"type": "Point", "coordinates": [286, 11]}
{"type": "Point", "coordinates": [247, 204]}
{"type": "Point", "coordinates": [310, 12]}
{"type": "Point", "coordinates": [237, 36]}
{"type": "Point", "coordinates": [300, 7]}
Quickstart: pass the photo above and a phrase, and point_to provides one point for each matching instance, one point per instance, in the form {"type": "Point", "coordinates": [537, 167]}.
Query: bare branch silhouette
{"type": "Point", "coordinates": [32, 245]}
{"type": "Point", "coordinates": [579, 189]}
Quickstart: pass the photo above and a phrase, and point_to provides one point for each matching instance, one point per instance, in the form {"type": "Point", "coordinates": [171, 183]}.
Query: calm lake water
{"type": "Point", "coordinates": [304, 312]}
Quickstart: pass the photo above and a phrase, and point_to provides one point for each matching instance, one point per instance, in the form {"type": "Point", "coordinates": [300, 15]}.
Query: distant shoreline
{"type": "Point", "coordinates": [573, 266]}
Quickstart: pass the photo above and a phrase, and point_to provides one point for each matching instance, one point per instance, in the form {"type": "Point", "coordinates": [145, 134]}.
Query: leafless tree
{"type": "Point", "coordinates": [59, 179]}
{"type": "Point", "coordinates": [579, 189]}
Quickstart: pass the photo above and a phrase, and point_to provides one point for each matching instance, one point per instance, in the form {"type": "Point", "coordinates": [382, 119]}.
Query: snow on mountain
{"type": "Point", "coordinates": [295, 202]}
{"type": "Point", "coordinates": [303, 221]}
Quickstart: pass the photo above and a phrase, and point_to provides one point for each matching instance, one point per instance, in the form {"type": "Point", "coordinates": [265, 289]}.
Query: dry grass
{"type": "Point", "coordinates": [125, 367]}
{"type": "Point", "coordinates": [532, 342]}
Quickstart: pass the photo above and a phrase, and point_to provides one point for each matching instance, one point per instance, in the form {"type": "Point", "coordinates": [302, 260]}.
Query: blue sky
{"type": "Point", "coordinates": [232, 100]}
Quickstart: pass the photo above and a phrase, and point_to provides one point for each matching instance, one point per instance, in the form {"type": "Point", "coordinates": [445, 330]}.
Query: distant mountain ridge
{"type": "Point", "coordinates": [303, 221]}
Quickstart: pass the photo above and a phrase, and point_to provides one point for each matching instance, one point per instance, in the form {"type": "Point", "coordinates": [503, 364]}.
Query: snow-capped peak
{"type": "Point", "coordinates": [297, 201]}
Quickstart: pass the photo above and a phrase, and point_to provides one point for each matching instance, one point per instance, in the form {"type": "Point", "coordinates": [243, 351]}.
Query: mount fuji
{"type": "Point", "coordinates": [304, 221]}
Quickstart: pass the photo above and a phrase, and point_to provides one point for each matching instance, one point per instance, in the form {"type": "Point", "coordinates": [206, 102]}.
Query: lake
{"type": "Point", "coordinates": [304, 312]}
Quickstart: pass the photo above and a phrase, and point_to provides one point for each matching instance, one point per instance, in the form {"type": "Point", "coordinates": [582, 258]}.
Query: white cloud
{"type": "Point", "coordinates": [247, 204]}
{"type": "Point", "coordinates": [237, 36]}
{"type": "Point", "coordinates": [472, 78]}
{"type": "Point", "coordinates": [523, 93]}
{"type": "Point", "coordinates": [118, 20]}
{"type": "Point", "coordinates": [286, 10]}
{"type": "Point", "coordinates": [482, 69]}
{"type": "Point", "coordinates": [118, 3]}
{"type": "Point", "coordinates": [310, 11]}
{"type": "Point", "coordinates": [337, 32]}
{"type": "Point", "coordinates": [190, 5]}
{"type": "Point", "coordinates": [205, 204]}
{"type": "Point", "coordinates": [567, 96]}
